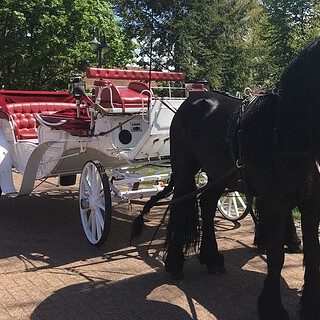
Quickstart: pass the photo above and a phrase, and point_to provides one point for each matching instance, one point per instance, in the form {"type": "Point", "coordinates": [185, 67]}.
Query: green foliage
{"type": "Point", "coordinates": [213, 40]}
{"type": "Point", "coordinates": [231, 43]}
{"type": "Point", "coordinates": [42, 41]}
{"type": "Point", "coordinates": [289, 27]}
{"type": "Point", "coordinates": [296, 214]}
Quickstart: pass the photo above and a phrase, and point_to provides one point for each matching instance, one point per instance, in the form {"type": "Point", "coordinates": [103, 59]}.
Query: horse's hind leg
{"type": "Point", "coordinates": [310, 300]}
{"type": "Point", "coordinates": [209, 253]}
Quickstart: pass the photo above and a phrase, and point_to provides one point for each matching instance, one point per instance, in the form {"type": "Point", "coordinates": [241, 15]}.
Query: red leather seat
{"type": "Point", "coordinates": [23, 116]}
{"type": "Point", "coordinates": [123, 97]}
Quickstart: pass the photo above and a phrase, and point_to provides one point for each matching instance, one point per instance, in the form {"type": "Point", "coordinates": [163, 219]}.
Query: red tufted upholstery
{"type": "Point", "coordinates": [23, 116]}
{"type": "Point", "coordinates": [123, 97]}
{"type": "Point", "coordinates": [133, 74]}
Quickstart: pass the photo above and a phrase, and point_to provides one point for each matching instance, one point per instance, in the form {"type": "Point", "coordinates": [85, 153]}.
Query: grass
{"type": "Point", "coordinates": [296, 214]}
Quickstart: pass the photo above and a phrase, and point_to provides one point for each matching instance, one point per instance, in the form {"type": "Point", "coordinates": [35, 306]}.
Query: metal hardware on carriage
{"type": "Point", "coordinates": [74, 86]}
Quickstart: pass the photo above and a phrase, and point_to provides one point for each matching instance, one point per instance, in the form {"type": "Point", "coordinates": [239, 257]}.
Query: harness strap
{"type": "Point", "coordinates": [233, 132]}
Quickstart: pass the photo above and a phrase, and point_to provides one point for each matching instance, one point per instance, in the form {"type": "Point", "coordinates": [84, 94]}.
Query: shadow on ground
{"type": "Point", "coordinates": [153, 296]}
{"type": "Point", "coordinates": [47, 227]}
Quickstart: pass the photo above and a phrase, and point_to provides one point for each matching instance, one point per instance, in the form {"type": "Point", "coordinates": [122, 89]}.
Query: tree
{"type": "Point", "coordinates": [204, 39]}
{"type": "Point", "coordinates": [290, 26]}
{"type": "Point", "coordinates": [42, 41]}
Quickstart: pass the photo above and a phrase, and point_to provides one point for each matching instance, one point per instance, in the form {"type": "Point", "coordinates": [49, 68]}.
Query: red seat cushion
{"type": "Point", "coordinates": [71, 123]}
{"type": "Point", "coordinates": [123, 97]}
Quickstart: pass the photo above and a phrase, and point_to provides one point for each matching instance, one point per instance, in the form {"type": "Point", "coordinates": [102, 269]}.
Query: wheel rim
{"type": "Point", "coordinates": [94, 203]}
{"type": "Point", "coordinates": [232, 206]}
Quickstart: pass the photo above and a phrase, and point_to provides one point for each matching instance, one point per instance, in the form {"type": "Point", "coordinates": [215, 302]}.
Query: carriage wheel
{"type": "Point", "coordinates": [232, 206]}
{"type": "Point", "coordinates": [95, 202]}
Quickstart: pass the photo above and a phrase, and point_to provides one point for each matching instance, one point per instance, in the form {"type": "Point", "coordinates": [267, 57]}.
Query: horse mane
{"type": "Point", "coordinates": [302, 76]}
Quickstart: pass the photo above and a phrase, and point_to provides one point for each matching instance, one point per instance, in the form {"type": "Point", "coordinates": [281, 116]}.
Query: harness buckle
{"type": "Point", "coordinates": [240, 164]}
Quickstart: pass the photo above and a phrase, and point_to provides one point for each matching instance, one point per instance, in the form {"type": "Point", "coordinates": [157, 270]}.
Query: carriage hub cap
{"type": "Point", "coordinates": [91, 202]}
{"type": "Point", "coordinates": [88, 203]}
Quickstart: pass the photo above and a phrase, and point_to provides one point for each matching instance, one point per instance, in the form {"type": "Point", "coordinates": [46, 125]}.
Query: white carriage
{"type": "Point", "coordinates": [125, 128]}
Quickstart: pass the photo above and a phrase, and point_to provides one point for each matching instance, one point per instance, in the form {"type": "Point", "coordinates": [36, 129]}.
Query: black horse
{"type": "Point", "coordinates": [278, 146]}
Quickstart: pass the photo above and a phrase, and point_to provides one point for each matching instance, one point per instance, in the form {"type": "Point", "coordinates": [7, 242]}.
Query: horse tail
{"type": "Point", "coordinates": [138, 222]}
{"type": "Point", "coordinates": [183, 228]}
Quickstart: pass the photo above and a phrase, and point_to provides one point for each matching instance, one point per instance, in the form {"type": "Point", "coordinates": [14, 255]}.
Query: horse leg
{"type": "Point", "coordinates": [182, 230]}
{"type": "Point", "coordinates": [269, 302]}
{"type": "Point", "coordinates": [291, 239]}
{"type": "Point", "coordinates": [209, 253]}
{"type": "Point", "coordinates": [310, 300]}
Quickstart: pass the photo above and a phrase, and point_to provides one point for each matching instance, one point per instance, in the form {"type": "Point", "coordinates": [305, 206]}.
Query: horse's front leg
{"type": "Point", "coordinates": [269, 303]}
{"type": "Point", "coordinates": [209, 253]}
{"type": "Point", "coordinates": [310, 300]}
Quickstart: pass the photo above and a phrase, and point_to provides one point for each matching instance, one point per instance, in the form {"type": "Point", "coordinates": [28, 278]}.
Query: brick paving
{"type": "Point", "coordinates": [49, 271]}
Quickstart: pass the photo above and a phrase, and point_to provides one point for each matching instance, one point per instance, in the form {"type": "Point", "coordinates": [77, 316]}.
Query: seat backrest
{"type": "Point", "coordinates": [23, 116]}
{"type": "Point", "coordinates": [123, 97]}
{"type": "Point", "coordinates": [107, 92]}
{"type": "Point", "coordinates": [138, 86]}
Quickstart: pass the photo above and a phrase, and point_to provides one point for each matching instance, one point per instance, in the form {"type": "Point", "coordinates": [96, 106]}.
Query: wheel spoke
{"type": "Point", "coordinates": [229, 204]}
{"type": "Point", "coordinates": [99, 230]}
{"type": "Point", "coordinates": [223, 200]}
{"type": "Point", "coordinates": [91, 176]}
{"type": "Point", "coordinates": [84, 213]}
{"type": "Point", "coordinates": [232, 206]}
{"type": "Point", "coordinates": [89, 220]}
{"type": "Point", "coordinates": [99, 220]}
{"type": "Point", "coordinates": [235, 207]}
{"type": "Point", "coordinates": [100, 196]}
{"type": "Point", "coordinates": [240, 200]}
{"type": "Point", "coordinates": [93, 226]}
{"type": "Point", "coordinates": [87, 185]}
{"type": "Point", "coordinates": [97, 186]}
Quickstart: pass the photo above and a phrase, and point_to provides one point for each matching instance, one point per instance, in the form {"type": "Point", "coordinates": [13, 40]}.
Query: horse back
{"type": "Point", "coordinates": [203, 113]}
{"type": "Point", "coordinates": [199, 132]}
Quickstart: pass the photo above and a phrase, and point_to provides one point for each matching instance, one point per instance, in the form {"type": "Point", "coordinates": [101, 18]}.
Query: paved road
{"type": "Point", "coordinates": [49, 271]}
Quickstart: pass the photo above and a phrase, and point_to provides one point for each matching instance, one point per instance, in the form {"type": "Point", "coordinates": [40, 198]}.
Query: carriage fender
{"type": "Point", "coordinates": [30, 172]}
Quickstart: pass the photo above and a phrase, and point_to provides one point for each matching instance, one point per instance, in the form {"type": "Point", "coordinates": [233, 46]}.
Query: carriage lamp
{"type": "Point", "coordinates": [76, 81]}
{"type": "Point", "coordinates": [100, 47]}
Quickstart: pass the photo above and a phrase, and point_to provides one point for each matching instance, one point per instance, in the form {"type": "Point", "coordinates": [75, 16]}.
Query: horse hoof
{"type": "Point", "coordinates": [216, 270]}
{"type": "Point", "coordinates": [175, 273]}
{"type": "Point", "coordinates": [202, 260]}
{"type": "Point", "coordinates": [280, 314]}
{"type": "Point", "coordinates": [295, 248]}
{"type": "Point", "coordinates": [271, 310]}
{"type": "Point", "coordinates": [310, 309]}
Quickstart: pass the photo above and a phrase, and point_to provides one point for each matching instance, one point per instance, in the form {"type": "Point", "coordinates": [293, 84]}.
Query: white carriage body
{"type": "Point", "coordinates": [56, 152]}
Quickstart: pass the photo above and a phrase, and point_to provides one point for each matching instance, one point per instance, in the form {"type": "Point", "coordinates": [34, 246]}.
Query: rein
{"type": "Point", "coordinates": [209, 185]}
